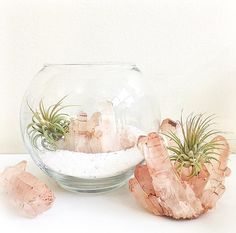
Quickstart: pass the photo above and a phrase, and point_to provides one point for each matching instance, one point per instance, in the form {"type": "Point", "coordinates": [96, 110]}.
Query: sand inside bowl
{"type": "Point", "coordinates": [98, 165]}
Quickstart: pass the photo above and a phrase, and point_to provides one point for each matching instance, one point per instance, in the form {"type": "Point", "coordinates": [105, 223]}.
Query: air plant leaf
{"type": "Point", "coordinates": [48, 125]}
{"type": "Point", "coordinates": [197, 146]}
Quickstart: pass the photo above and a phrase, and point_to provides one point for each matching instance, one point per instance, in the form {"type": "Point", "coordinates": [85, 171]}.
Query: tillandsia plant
{"type": "Point", "coordinates": [196, 146]}
{"type": "Point", "coordinates": [48, 125]}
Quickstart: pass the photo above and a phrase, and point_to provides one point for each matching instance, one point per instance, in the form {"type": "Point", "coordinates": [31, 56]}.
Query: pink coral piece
{"type": "Point", "coordinates": [28, 193]}
{"type": "Point", "coordinates": [159, 188]}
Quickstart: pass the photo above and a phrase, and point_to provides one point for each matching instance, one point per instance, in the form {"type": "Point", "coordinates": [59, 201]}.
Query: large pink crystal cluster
{"type": "Point", "coordinates": [26, 191]}
{"type": "Point", "coordinates": [97, 134]}
{"type": "Point", "coordinates": [161, 190]}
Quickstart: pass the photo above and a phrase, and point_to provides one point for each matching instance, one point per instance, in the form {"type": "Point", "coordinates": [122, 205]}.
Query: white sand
{"type": "Point", "coordinates": [97, 165]}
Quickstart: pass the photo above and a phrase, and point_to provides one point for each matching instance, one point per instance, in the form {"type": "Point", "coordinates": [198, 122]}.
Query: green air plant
{"type": "Point", "coordinates": [197, 146]}
{"type": "Point", "coordinates": [48, 125]}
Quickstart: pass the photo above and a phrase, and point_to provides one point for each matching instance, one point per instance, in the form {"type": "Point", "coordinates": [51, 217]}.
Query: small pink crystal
{"type": "Point", "coordinates": [28, 193]}
{"type": "Point", "coordinates": [108, 128]}
{"type": "Point", "coordinates": [142, 188]}
{"type": "Point", "coordinates": [218, 171]}
{"type": "Point", "coordinates": [161, 190]}
{"type": "Point", "coordinates": [168, 125]}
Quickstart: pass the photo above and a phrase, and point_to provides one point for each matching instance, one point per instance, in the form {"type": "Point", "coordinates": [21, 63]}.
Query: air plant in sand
{"type": "Point", "coordinates": [184, 175]}
{"type": "Point", "coordinates": [48, 125]}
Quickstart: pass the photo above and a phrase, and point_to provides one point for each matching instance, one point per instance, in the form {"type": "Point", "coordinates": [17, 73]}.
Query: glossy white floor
{"type": "Point", "coordinates": [113, 212]}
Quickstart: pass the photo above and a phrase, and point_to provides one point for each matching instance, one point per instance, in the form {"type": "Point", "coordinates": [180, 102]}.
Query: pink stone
{"type": "Point", "coordinates": [127, 139]}
{"type": "Point", "coordinates": [98, 133]}
{"type": "Point", "coordinates": [142, 188]}
{"type": "Point", "coordinates": [168, 125]}
{"type": "Point", "coordinates": [162, 191]}
{"type": "Point", "coordinates": [94, 121]}
{"type": "Point", "coordinates": [218, 171]}
{"type": "Point", "coordinates": [26, 191]}
{"type": "Point", "coordinates": [197, 183]}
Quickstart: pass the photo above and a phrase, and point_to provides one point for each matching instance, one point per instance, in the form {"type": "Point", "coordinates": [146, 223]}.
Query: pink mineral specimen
{"type": "Point", "coordinates": [168, 125]}
{"type": "Point", "coordinates": [97, 133]}
{"type": "Point", "coordinates": [27, 192]}
{"type": "Point", "coordinates": [162, 191]}
{"type": "Point", "coordinates": [218, 171]}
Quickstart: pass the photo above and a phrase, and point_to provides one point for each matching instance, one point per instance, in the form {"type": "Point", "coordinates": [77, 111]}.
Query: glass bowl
{"type": "Point", "coordinates": [81, 122]}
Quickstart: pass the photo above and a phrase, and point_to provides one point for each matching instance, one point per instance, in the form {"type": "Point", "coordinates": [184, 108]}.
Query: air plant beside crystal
{"type": "Point", "coordinates": [196, 147]}
{"type": "Point", "coordinates": [54, 129]}
{"type": "Point", "coordinates": [48, 125]}
{"type": "Point", "coordinates": [186, 165]}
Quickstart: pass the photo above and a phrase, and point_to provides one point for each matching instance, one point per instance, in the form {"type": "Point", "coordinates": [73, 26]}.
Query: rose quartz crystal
{"type": "Point", "coordinates": [27, 192]}
{"type": "Point", "coordinates": [218, 171]}
{"type": "Point", "coordinates": [97, 133]}
{"type": "Point", "coordinates": [168, 125]}
{"type": "Point", "coordinates": [162, 191]}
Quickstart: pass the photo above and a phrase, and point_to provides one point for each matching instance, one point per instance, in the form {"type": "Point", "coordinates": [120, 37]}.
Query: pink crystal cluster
{"type": "Point", "coordinates": [97, 134]}
{"type": "Point", "coordinates": [162, 191]}
{"type": "Point", "coordinates": [27, 192]}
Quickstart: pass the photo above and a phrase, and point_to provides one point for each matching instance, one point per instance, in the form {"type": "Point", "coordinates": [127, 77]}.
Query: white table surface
{"type": "Point", "coordinates": [113, 212]}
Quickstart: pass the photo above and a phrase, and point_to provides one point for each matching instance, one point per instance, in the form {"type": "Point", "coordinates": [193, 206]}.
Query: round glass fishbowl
{"type": "Point", "coordinates": [81, 122]}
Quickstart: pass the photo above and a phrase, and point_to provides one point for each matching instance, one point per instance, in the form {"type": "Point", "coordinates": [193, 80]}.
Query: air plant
{"type": "Point", "coordinates": [197, 145]}
{"type": "Point", "coordinates": [48, 125]}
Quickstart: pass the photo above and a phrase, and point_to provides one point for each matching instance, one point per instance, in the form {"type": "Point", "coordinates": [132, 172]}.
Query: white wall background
{"type": "Point", "coordinates": [186, 47]}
